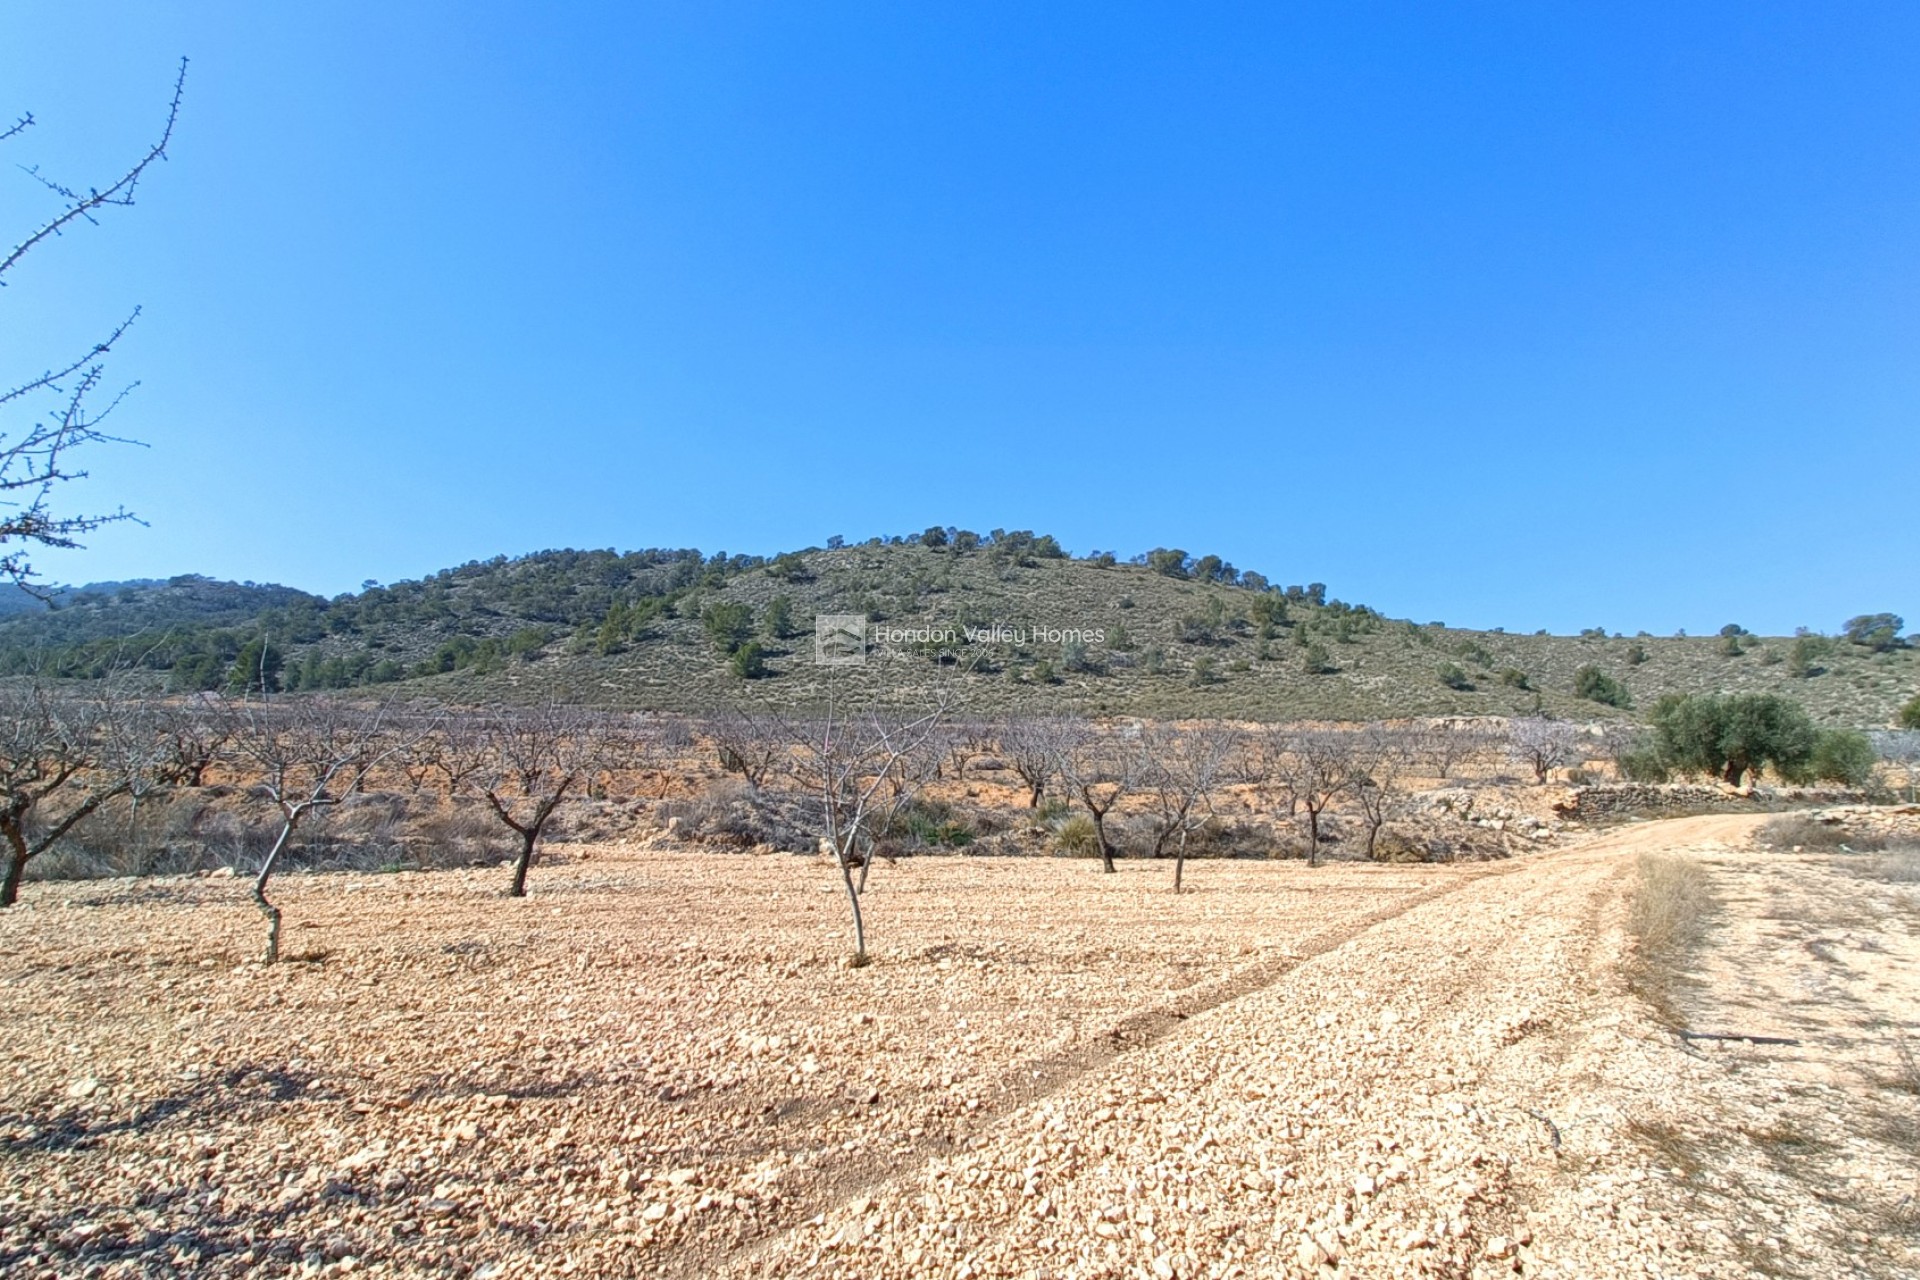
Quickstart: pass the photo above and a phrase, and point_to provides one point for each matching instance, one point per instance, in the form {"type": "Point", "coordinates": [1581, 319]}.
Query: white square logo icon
{"type": "Point", "coordinates": [839, 640]}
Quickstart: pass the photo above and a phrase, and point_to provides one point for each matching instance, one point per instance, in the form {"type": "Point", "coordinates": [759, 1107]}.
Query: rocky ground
{"type": "Point", "coordinates": [660, 1065]}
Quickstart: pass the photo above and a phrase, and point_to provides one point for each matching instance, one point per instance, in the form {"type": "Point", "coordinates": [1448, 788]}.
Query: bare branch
{"type": "Point", "coordinates": [119, 193]}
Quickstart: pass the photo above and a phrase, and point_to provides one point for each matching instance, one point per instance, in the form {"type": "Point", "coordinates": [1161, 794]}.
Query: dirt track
{"type": "Point", "coordinates": [657, 1065]}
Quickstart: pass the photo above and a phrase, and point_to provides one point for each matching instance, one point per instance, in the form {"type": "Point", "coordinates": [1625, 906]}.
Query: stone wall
{"type": "Point", "coordinates": [1615, 800]}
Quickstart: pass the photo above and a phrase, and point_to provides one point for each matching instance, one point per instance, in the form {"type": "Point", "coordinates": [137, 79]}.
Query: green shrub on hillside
{"type": "Point", "coordinates": [777, 621]}
{"type": "Point", "coordinates": [749, 661]}
{"type": "Point", "coordinates": [728, 625]}
{"type": "Point", "coordinates": [1454, 676]}
{"type": "Point", "coordinates": [1595, 685]}
{"type": "Point", "coordinates": [1803, 660]}
{"type": "Point", "coordinates": [1876, 631]}
{"type": "Point", "coordinates": [1168, 560]}
{"type": "Point", "coordinates": [1910, 713]}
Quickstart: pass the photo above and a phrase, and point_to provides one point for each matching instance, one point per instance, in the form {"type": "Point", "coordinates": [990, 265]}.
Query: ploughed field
{"type": "Point", "coordinates": [660, 1065]}
{"type": "Point", "coordinates": [659, 1056]}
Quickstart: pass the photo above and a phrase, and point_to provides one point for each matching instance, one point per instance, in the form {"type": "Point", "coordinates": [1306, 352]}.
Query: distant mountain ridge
{"type": "Point", "coordinates": [95, 610]}
{"type": "Point", "coordinates": [1017, 622]}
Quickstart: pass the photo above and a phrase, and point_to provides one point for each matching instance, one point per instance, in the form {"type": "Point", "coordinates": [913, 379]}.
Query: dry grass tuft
{"type": "Point", "coordinates": [1668, 917]}
{"type": "Point", "coordinates": [1896, 866]}
{"type": "Point", "coordinates": [1800, 831]}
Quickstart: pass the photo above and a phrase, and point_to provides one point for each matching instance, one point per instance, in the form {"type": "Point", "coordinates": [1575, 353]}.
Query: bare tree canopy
{"type": "Point", "coordinates": [1034, 748]}
{"type": "Point", "coordinates": [750, 743]}
{"type": "Point", "coordinates": [862, 766]}
{"type": "Point", "coordinates": [61, 758]}
{"type": "Point", "coordinates": [304, 755]}
{"type": "Point", "coordinates": [34, 457]}
{"type": "Point", "coordinates": [1101, 766]}
{"type": "Point", "coordinates": [1183, 768]}
{"type": "Point", "coordinates": [1383, 756]}
{"type": "Point", "coordinates": [528, 762]}
{"type": "Point", "coordinates": [1315, 767]}
{"type": "Point", "coordinates": [1544, 745]}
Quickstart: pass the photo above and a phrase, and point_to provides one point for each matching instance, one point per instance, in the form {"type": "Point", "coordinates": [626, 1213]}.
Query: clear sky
{"type": "Point", "coordinates": [1523, 314]}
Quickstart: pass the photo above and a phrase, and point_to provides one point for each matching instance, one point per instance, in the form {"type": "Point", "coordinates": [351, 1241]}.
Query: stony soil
{"type": "Point", "coordinates": [660, 1065]}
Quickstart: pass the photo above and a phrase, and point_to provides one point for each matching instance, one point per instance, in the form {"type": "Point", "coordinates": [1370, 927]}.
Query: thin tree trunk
{"type": "Point", "coordinates": [853, 901]}
{"type": "Point", "coordinates": [1313, 836]}
{"type": "Point", "coordinates": [527, 836]}
{"type": "Point", "coordinates": [267, 909]}
{"type": "Point", "coordinates": [1106, 849]}
{"type": "Point", "coordinates": [16, 864]}
{"type": "Point", "coordinates": [1180, 862]}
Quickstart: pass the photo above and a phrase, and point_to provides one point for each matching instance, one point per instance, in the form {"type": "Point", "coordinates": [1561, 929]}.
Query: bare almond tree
{"type": "Point", "coordinates": [1544, 745]}
{"type": "Point", "coordinates": [1444, 745]}
{"type": "Point", "coordinates": [61, 758]}
{"type": "Point", "coordinates": [421, 759]}
{"type": "Point", "coordinates": [1900, 748]}
{"type": "Point", "coordinates": [1316, 767]}
{"type": "Point", "coordinates": [1034, 747]}
{"type": "Point", "coordinates": [1383, 755]}
{"type": "Point", "coordinates": [532, 759]}
{"type": "Point", "coordinates": [192, 734]}
{"type": "Point", "coordinates": [750, 743]}
{"type": "Point", "coordinates": [35, 457]}
{"type": "Point", "coordinates": [1183, 768]}
{"type": "Point", "coordinates": [966, 743]}
{"type": "Point", "coordinates": [630, 745]}
{"type": "Point", "coordinates": [462, 751]}
{"type": "Point", "coordinates": [1101, 766]}
{"type": "Point", "coordinates": [862, 766]}
{"type": "Point", "coordinates": [305, 755]}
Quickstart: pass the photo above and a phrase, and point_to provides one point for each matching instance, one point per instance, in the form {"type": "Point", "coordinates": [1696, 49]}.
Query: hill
{"type": "Point", "coordinates": [75, 616]}
{"type": "Point", "coordinates": [1008, 618]}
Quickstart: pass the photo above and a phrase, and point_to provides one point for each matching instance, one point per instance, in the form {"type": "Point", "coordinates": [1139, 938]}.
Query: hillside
{"type": "Point", "coordinates": [1184, 638]}
{"type": "Point", "coordinates": [73, 616]}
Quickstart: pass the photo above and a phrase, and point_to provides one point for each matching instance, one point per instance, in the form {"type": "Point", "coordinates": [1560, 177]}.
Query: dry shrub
{"type": "Point", "coordinates": [1672, 905]}
{"type": "Point", "coordinates": [1802, 831]}
{"type": "Point", "coordinates": [1896, 866]}
{"type": "Point", "coordinates": [732, 814]}
{"type": "Point", "coordinates": [1076, 837]}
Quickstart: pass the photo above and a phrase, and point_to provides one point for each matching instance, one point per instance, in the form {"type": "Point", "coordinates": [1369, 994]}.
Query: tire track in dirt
{"type": "Point", "coordinates": [1047, 1076]}
{"type": "Point", "coordinates": [1142, 1031]}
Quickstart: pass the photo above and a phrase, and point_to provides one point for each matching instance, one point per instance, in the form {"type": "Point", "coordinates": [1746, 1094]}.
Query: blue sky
{"type": "Point", "coordinates": [1522, 315]}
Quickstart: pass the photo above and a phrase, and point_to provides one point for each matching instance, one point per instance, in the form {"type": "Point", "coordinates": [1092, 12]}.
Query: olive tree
{"type": "Point", "coordinates": [1733, 735]}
